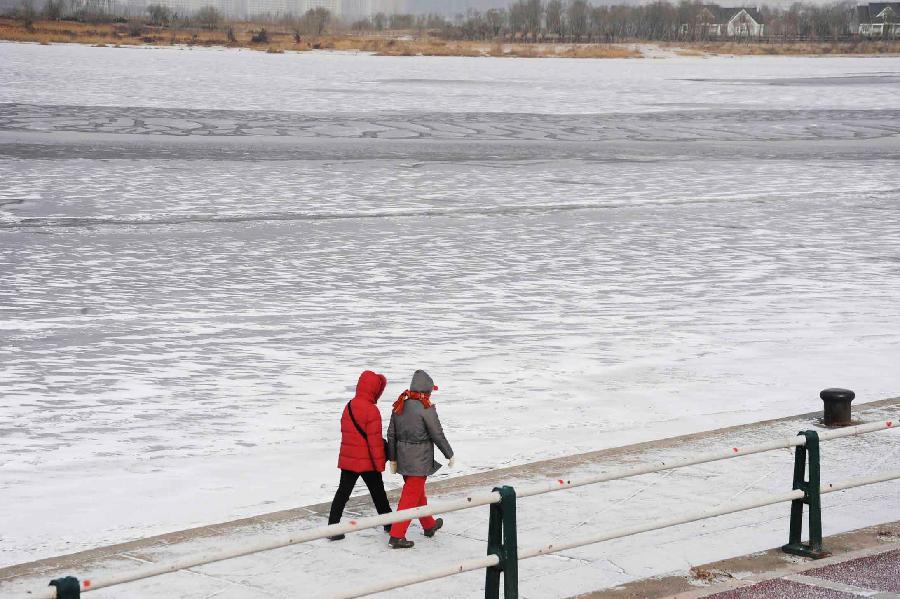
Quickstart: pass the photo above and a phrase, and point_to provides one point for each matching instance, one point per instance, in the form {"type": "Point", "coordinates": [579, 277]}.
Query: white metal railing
{"type": "Point", "coordinates": [703, 458]}
{"type": "Point", "coordinates": [354, 525]}
{"type": "Point", "coordinates": [209, 557]}
{"type": "Point", "coordinates": [556, 547]}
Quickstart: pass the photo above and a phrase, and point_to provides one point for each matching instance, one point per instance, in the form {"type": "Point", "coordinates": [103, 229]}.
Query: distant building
{"type": "Point", "coordinates": [356, 9]}
{"type": "Point", "coordinates": [877, 19]}
{"type": "Point", "coordinates": [390, 7]}
{"type": "Point", "coordinates": [716, 21]}
{"type": "Point", "coordinates": [272, 8]}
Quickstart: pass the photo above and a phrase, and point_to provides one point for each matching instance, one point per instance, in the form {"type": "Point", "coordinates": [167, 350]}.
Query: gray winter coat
{"type": "Point", "coordinates": [411, 438]}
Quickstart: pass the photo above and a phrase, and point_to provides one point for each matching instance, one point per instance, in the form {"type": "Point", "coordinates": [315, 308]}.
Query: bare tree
{"type": "Point", "coordinates": [517, 18]}
{"type": "Point", "coordinates": [534, 10]}
{"type": "Point", "coordinates": [553, 16]}
{"type": "Point", "coordinates": [54, 9]}
{"type": "Point", "coordinates": [315, 20]}
{"type": "Point", "coordinates": [577, 16]}
{"type": "Point", "coordinates": [27, 13]}
{"type": "Point", "coordinates": [495, 19]}
{"type": "Point", "coordinates": [159, 14]}
{"type": "Point", "coordinates": [208, 17]}
{"type": "Point", "coordinates": [401, 21]}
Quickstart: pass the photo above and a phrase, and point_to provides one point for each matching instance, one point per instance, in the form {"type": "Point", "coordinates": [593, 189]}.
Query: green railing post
{"type": "Point", "coordinates": [811, 497]}
{"type": "Point", "coordinates": [503, 542]}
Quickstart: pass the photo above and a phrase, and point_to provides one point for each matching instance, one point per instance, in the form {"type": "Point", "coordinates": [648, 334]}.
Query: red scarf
{"type": "Point", "coordinates": [423, 397]}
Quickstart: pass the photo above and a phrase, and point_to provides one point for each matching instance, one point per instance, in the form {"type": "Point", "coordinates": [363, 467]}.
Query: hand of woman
{"type": "Point", "coordinates": [393, 467]}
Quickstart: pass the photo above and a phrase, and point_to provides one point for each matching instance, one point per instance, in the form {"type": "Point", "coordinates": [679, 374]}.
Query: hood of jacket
{"type": "Point", "coordinates": [370, 386]}
{"type": "Point", "coordinates": [421, 382]}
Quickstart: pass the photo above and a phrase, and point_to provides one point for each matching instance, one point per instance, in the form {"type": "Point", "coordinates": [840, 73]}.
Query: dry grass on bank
{"type": "Point", "coordinates": [565, 50]}
{"type": "Point", "coordinates": [436, 47]}
{"type": "Point", "coordinates": [116, 34]}
{"type": "Point", "coordinates": [54, 31]}
{"type": "Point", "coordinates": [689, 52]}
{"type": "Point", "coordinates": [398, 47]}
{"type": "Point", "coordinates": [106, 34]}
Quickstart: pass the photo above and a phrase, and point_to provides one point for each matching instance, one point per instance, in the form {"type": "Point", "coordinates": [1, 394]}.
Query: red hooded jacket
{"type": "Point", "coordinates": [355, 456]}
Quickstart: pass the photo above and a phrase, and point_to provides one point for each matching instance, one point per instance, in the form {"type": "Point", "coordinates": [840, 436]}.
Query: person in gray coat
{"type": "Point", "coordinates": [414, 431]}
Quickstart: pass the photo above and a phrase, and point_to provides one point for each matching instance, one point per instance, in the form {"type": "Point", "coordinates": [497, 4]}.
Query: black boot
{"type": "Point", "coordinates": [429, 532]}
{"type": "Point", "coordinates": [387, 527]}
{"type": "Point", "coordinates": [396, 543]}
{"type": "Point", "coordinates": [337, 538]}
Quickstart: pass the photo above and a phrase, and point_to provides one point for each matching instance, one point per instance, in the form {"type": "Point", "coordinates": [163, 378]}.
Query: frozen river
{"type": "Point", "coordinates": [201, 249]}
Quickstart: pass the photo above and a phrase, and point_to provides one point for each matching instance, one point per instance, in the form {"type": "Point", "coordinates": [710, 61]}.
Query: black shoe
{"type": "Point", "coordinates": [429, 532]}
{"type": "Point", "coordinates": [337, 538]}
{"type": "Point", "coordinates": [400, 543]}
{"type": "Point", "coordinates": [387, 527]}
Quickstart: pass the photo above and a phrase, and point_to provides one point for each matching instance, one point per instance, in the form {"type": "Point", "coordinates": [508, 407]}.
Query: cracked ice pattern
{"type": "Point", "coordinates": [736, 125]}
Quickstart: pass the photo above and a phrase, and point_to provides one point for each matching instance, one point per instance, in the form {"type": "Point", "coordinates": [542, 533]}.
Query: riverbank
{"type": "Point", "coordinates": [275, 40]}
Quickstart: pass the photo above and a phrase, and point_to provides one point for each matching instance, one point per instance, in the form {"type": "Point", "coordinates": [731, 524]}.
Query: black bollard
{"type": "Point", "coordinates": [67, 587]}
{"type": "Point", "coordinates": [837, 406]}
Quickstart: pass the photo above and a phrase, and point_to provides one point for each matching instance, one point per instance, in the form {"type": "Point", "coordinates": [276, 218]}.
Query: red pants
{"type": "Point", "coordinates": [413, 495]}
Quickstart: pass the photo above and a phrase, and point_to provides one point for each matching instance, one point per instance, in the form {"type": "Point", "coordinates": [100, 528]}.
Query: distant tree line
{"type": "Point", "coordinates": [160, 15]}
{"type": "Point", "coordinates": [524, 20]}
{"type": "Point", "coordinates": [70, 10]}
{"type": "Point", "coordinates": [402, 22]}
{"type": "Point", "coordinates": [580, 21]}
{"type": "Point", "coordinates": [313, 22]}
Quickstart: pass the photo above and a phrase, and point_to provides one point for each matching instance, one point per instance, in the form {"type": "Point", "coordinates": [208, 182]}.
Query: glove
{"type": "Point", "coordinates": [452, 463]}
{"type": "Point", "coordinates": [393, 467]}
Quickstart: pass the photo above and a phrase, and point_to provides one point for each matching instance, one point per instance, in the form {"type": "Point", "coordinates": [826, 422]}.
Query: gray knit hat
{"type": "Point", "coordinates": [422, 383]}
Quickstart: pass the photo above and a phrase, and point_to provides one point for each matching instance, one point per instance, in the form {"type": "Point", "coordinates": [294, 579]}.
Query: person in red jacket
{"type": "Point", "coordinates": [362, 448]}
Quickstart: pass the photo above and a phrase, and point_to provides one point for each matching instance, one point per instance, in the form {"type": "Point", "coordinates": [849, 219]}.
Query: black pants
{"type": "Point", "coordinates": [348, 481]}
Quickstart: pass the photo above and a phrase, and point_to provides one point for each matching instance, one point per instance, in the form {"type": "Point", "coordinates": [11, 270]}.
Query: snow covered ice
{"type": "Point", "coordinates": [201, 249]}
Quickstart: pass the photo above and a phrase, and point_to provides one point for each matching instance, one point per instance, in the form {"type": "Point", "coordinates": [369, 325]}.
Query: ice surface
{"type": "Point", "coordinates": [349, 82]}
{"type": "Point", "coordinates": [200, 250]}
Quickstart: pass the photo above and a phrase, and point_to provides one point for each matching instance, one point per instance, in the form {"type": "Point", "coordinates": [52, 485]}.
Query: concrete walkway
{"type": "Point", "coordinates": [323, 568]}
{"type": "Point", "coordinates": [876, 575]}
{"type": "Point", "coordinates": [864, 562]}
